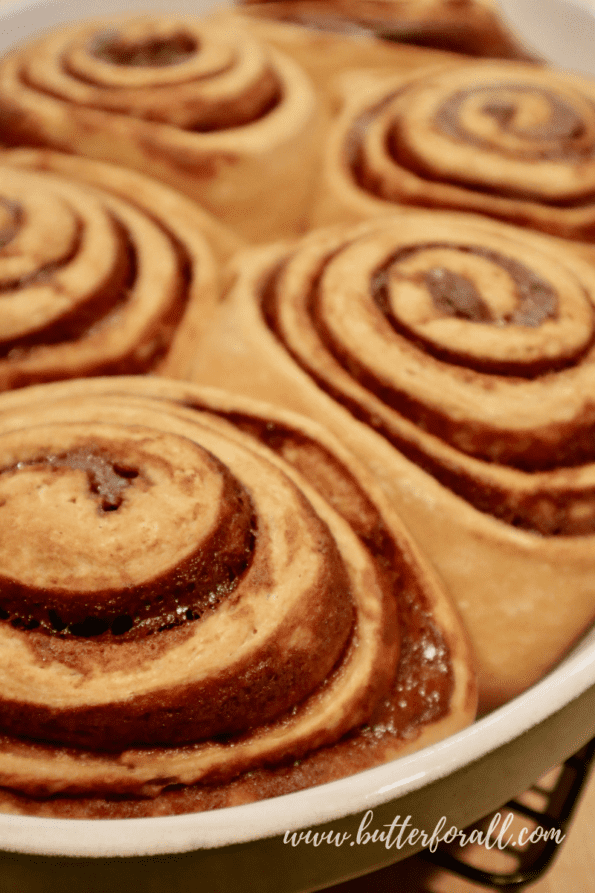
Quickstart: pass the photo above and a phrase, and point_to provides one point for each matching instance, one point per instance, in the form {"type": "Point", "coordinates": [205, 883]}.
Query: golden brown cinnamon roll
{"type": "Point", "coordinates": [465, 26]}
{"type": "Point", "coordinates": [203, 107]}
{"type": "Point", "coordinates": [454, 355]}
{"type": "Point", "coordinates": [325, 54]}
{"type": "Point", "coordinates": [506, 139]}
{"type": "Point", "coordinates": [214, 603]}
{"type": "Point", "coordinates": [102, 270]}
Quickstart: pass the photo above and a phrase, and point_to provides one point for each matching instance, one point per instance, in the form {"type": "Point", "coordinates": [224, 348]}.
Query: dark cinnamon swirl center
{"type": "Point", "coordinates": [154, 52]}
{"type": "Point", "coordinates": [107, 480]}
{"type": "Point", "coordinates": [11, 215]}
{"type": "Point", "coordinates": [556, 133]}
{"type": "Point", "coordinates": [83, 572]}
{"type": "Point", "coordinates": [457, 295]}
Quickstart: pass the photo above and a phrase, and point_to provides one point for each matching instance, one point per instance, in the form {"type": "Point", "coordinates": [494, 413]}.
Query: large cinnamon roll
{"type": "Point", "coordinates": [455, 355]}
{"type": "Point", "coordinates": [102, 270]}
{"type": "Point", "coordinates": [506, 139]}
{"type": "Point", "coordinates": [213, 603]}
{"type": "Point", "coordinates": [202, 106]}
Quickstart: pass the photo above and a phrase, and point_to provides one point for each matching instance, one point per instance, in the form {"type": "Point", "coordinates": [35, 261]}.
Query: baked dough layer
{"type": "Point", "coordinates": [329, 630]}
{"type": "Point", "coordinates": [438, 347]}
{"type": "Point", "coordinates": [102, 270]}
{"type": "Point", "coordinates": [506, 139]}
{"type": "Point", "coordinates": [201, 105]}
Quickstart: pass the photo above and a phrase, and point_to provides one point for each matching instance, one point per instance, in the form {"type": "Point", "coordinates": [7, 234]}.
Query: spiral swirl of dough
{"type": "Point", "coordinates": [188, 607]}
{"type": "Point", "coordinates": [464, 349]}
{"type": "Point", "coordinates": [101, 270]}
{"type": "Point", "coordinates": [509, 140]}
{"type": "Point", "coordinates": [467, 342]}
{"type": "Point", "coordinates": [199, 104]}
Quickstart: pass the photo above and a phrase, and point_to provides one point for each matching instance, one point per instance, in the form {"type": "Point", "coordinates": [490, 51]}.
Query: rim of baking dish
{"type": "Point", "coordinates": [348, 796]}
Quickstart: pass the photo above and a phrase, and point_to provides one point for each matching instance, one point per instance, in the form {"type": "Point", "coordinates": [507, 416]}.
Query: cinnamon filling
{"type": "Point", "coordinates": [567, 512]}
{"type": "Point", "coordinates": [153, 52]}
{"type": "Point", "coordinates": [242, 109]}
{"type": "Point", "coordinates": [421, 694]}
{"type": "Point", "coordinates": [456, 295]}
{"type": "Point", "coordinates": [563, 120]}
{"type": "Point", "coordinates": [10, 221]}
{"type": "Point", "coordinates": [108, 480]}
{"type": "Point", "coordinates": [557, 137]}
{"type": "Point", "coordinates": [100, 306]}
{"type": "Point", "coordinates": [175, 597]}
{"type": "Point", "coordinates": [247, 103]}
{"type": "Point", "coordinates": [89, 311]}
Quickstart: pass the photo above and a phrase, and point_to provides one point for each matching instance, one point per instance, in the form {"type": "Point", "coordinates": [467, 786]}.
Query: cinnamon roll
{"type": "Point", "coordinates": [205, 108]}
{"type": "Point", "coordinates": [474, 27]}
{"type": "Point", "coordinates": [506, 139]}
{"type": "Point", "coordinates": [455, 356]}
{"type": "Point", "coordinates": [214, 603]}
{"type": "Point", "coordinates": [102, 270]}
{"type": "Point", "coordinates": [326, 53]}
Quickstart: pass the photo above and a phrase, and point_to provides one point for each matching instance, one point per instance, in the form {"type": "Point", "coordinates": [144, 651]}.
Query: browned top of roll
{"type": "Point", "coordinates": [467, 343]}
{"type": "Point", "coordinates": [507, 139]}
{"type": "Point", "coordinates": [466, 26]}
{"type": "Point", "coordinates": [100, 268]}
{"type": "Point", "coordinates": [175, 70]}
{"type": "Point", "coordinates": [274, 604]}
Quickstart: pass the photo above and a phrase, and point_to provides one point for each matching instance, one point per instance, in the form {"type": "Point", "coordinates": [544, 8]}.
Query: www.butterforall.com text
{"type": "Point", "coordinates": [401, 833]}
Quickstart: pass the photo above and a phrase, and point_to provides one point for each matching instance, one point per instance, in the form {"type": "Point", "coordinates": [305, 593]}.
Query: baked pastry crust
{"type": "Point", "coordinates": [438, 347]}
{"type": "Point", "coordinates": [474, 27]}
{"type": "Point", "coordinates": [201, 106]}
{"type": "Point", "coordinates": [102, 269]}
{"type": "Point", "coordinates": [506, 139]}
{"type": "Point", "coordinates": [327, 54]}
{"type": "Point", "coordinates": [236, 596]}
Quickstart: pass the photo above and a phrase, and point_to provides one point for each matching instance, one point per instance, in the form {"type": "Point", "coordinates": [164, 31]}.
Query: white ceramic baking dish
{"type": "Point", "coordinates": [461, 778]}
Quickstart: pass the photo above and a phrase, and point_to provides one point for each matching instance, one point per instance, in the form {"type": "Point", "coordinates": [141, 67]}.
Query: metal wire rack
{"type": "Point", "coordinates": [549, 806]}
{"type": "Point", "coordinates": [544, 812]}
